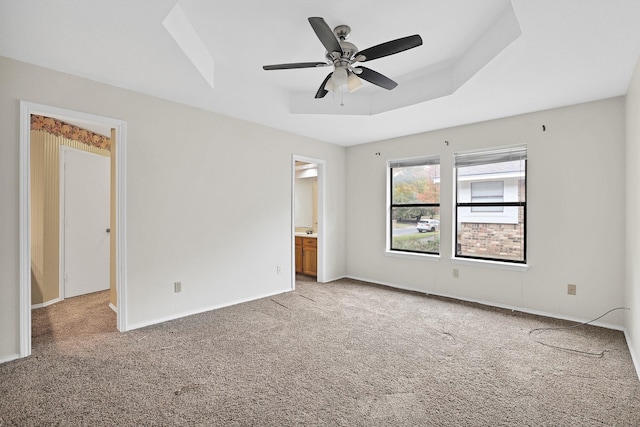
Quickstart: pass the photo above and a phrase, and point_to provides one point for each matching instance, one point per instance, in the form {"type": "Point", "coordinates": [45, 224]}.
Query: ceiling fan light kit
{"type": "Point", "coordinates": [353, 83]}
{"type": "Point", "coordinates": [339, 77]}
{"type": "Point", "coordinates": [342, 55]}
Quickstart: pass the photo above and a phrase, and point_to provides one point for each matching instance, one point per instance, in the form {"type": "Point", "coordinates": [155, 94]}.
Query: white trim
{"type": "Point", "coordinates": [26, 110]}
{"type": "Point", "coordinates": [62, 170]}
{"type": "Point", "coordinates": [25, 230]}
{"type": "Point", "coordinates": [201, 310]}
{"type": "Point", "coordinates": [412, 255]}
{"type": "Point", "coordinates": [455, 260]}
{"type": "Point", "coordinates": [490, 264]}
{"type": "Point", "coordinates": [322, 180]}
{"type": "Point", "coordinates": [121, 227]}
{"type": "Point", "coordinates": [333, 279]}
{"type": "Point", "coordinates": [113, 307]}
{"type": "Point", "coordinates": [634, 356]}
{"type": "Point", "coordinates": [9, 358]}
{"type": "Point", "coordinates": [46, 304]}
{"type": "Point", "coordinates": [321, 251]}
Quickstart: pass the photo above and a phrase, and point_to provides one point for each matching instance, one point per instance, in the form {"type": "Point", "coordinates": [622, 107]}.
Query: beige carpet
{"type": "Point", "coordinates": [338, 354]}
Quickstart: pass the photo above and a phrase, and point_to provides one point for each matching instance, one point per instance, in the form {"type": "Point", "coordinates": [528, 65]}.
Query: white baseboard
{"type": "Point", "coordinates": [113, 307]}
{"type": "Point", "coordinates": [333, 279]}
{"type": "Point", "coordinates": [45, 304]}
{"type": "Point", "coordinates": [493, 304]}
{"type": "Point", "coordinates": [9, 358]}
{"type": "Point", "coordinates": [139, 325]}
{"type": "Point", "coordinates": [634, 356]}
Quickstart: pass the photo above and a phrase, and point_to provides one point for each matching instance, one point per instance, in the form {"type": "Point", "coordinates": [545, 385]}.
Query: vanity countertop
{"type": "Point", "coordinates": [303, 234]}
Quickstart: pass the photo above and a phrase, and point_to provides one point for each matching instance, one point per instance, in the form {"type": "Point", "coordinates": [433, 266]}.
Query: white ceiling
{"type": "Point", "coordinates": [565, 52]}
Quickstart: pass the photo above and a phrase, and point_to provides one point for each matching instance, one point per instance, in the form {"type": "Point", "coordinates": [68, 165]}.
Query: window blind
{"type": "Point", "coordinates": [484, 157]}
{"type": "Point", "coordinates": [419, 161]}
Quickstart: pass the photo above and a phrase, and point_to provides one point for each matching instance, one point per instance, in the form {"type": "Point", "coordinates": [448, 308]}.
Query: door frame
{"type": "Point", "coordinates": [120, 126]}
{"type": "Point", "coordinates": [62, 292]}
{"type": "Point", "coordinates": [321, 216]}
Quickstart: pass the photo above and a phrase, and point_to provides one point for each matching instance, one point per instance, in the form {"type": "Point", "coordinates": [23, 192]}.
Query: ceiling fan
{"type": "Point", "coordinates": [342, 55]}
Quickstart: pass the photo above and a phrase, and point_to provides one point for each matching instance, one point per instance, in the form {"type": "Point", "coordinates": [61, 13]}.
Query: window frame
{"type": "Point", "coordinates": [500, 154]}
{"type": "Point", "coordinates": [403, 163]}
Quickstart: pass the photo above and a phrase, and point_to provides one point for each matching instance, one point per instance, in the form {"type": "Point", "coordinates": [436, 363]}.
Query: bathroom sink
{"type": "Point", "coordinates": [303, 234]}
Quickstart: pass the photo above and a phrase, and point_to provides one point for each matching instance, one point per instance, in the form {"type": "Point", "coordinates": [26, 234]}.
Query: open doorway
{"type": "Point", "coordinates": [308, 218]}
{"type": "Point", "coordinates": [117, 131]}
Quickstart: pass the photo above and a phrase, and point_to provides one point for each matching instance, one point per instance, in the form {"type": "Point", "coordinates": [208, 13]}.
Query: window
{"type": "Point", "coordinates": [414, 213]}
{"type": "Point", "coordinates": [491, 204]}
{"type": "Point", "coordinates": [487, 192]}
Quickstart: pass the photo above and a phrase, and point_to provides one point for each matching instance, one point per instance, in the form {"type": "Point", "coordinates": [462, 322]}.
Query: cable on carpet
{"type": "Point", "coordinates": [537, 331]}
{"type": "Point", "coordinates": [280, 304]}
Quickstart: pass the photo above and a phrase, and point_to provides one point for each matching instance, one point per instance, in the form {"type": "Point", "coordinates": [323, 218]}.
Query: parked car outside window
{"type": "Point", "coordinates": [425, 225]}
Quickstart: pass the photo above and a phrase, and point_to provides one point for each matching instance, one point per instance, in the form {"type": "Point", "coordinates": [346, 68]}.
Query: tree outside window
{"type": "Point", "coordinates": [415, 196]}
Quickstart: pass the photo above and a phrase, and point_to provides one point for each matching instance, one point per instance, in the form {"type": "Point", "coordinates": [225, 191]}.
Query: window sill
{"type": "Point", "coordinates": [490, 264]}
{"type": "Point", "coordinates": [412, 255]}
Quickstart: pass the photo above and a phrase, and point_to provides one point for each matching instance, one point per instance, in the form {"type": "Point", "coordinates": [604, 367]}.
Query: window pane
{"type": "Point", "coordinates": [415, 184]}
{"type": "Point", "coordinates": [510, 174]}
{"type": "Point", "coordinates": [409, 234]}
{"type": "Point", "coordinates": [483, 190]}
{"type": "Point", "coordinates": [487, 192]}
{"type": "Point", "coordinates": [501, 241]}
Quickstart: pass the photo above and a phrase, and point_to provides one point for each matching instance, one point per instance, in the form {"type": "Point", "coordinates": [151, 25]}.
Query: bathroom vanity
{"type": "Point", "coordinates": [307, 254]}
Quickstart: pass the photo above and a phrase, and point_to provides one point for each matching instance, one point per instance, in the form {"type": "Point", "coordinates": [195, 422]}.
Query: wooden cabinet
{"type": "Point", "coordinates": [307, 255]}
{"type": "Point", "coordinates": [298, 254]}
{"type": "Point", "coordinates": [310, 256]}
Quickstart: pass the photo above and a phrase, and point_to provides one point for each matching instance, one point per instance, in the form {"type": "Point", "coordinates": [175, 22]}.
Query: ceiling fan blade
{"type": "Point", "coordinates": [294, 65]}
{"type": "Point", "coordinates": [376, 78]}
{"type": "Point", "coordinates": [321, 90]}
{"type": "Point", "coordinates": [325, 34]}
{"type": "Point", "coordinates": [389, 48]}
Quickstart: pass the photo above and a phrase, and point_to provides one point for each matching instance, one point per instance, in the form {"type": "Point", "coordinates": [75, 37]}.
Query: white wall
{"type": "Point", "coordinates": [633, 213]}
{"type": "Point", "coordinates": [304, 203]}
{"type": "Point", "coordinates": [575, 213]}
{"type": "Point", "coordinates": [191, 216]}
{"type": "Point", "coordinates": [180, 161]}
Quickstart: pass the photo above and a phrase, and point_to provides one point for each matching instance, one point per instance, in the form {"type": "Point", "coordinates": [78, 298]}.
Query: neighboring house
{"type": "Point", "coordinates": [490, 230]}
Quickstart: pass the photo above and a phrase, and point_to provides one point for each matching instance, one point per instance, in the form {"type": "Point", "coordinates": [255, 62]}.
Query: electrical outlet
{"type": "Point", "coordinates": [279, 270]}
{"type": "Point", "coordinates": [456, 273]}
{"type": "Point", "coordinates": [177, 287]}
{"type": "Point", "coordinates": [571, 289]}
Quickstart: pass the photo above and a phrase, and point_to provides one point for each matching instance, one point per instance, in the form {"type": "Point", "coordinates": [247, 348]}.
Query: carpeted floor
{"type": "Point", "coordinates": [344, 353]}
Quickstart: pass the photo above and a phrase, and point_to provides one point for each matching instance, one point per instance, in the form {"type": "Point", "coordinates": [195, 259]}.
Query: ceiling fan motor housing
{"type": "Point", "coordinates": [348, 49]}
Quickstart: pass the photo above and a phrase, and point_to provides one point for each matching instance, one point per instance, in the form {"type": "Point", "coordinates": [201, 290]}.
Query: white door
{"type": "Point", "coordinates": [86, 222]}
